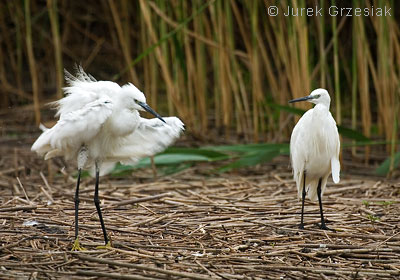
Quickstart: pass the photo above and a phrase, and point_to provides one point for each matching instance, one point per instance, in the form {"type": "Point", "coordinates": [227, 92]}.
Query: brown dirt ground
{"type": "Point", "coordinates": [192, 225]}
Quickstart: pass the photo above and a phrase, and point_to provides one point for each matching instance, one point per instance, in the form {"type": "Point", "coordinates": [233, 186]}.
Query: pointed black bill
{"type": "Point", "coordinates": [301, 99]}
{"type": "Point", "coordinates": [151, 111]}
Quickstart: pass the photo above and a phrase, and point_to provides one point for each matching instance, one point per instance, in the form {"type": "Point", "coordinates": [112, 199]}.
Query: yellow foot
{"type": "Point", "coordinates": [77, 246]}
{"type": "Point", "coordinates": [107, 246]}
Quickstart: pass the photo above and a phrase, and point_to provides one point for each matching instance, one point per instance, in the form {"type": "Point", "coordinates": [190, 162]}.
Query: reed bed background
{"type": "Point", "coordinates": [225, 67]}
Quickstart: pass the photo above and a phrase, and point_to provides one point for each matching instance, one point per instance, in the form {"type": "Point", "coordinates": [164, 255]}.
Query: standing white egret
{"type": "Point", "coordinates": [314, 150]}
{"type": "Point", "coordinates": [100, 124]}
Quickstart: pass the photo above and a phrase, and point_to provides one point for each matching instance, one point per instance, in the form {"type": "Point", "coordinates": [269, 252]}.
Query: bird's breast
{"type": "Point", "coordinates": [122, 123]}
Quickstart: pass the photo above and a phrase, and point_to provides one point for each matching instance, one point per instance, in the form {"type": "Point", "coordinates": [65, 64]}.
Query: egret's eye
{"type": "Point", "coordinates": [318, 96]}
{"type": "Point", "coordinates": [136, 101]}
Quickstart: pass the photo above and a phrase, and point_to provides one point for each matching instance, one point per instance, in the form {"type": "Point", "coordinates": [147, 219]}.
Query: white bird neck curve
{"type": "Point", "coordinates": [320, 111]}
{"type": "Point", "coordinates": [322, 106]}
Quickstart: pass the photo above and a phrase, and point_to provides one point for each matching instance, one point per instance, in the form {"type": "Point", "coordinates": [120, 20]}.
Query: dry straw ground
{"type": "Point", "coordinates": [192, 225]}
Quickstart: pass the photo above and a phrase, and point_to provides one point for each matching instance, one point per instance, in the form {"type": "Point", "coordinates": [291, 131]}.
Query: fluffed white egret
{"type": "Point", "coordinates": [99, 125]}
{"type": "Point", "coordinates": [314, 150]}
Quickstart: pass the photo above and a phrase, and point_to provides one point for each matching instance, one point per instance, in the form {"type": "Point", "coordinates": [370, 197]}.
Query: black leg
{"type": "Point", "coordinates": [97, 203]}
{"type": "Point", "coordinates": [76, 200]}
{"type": "Point", "coordinates": [303, 196]}
{"type": "Point", "coordinates": [322, 226]}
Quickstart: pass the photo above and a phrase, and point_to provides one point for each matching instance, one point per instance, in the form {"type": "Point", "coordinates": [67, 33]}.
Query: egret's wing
{"type": "Point", "coordinates": [150, 137]}
{"type": "Point", "coordinates": [74, 129]}
{"type": "Point", "coordinates": [298, 147]}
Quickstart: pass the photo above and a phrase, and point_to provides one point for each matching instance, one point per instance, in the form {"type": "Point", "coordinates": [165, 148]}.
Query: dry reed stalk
{"type": "Point", "coordinates": [178, 69]}
{"type": "Point", "coordinates": [190, 76]}
{"type": "Point", "coordinates": [321, 41]}
{"type": "Point", "coordinates": [224, 69]}
{"type": "Point", "coordinates": [383, 91]}
{"type": "Point", "coordinates": [336, 71]}
{"type": "Point", "coordinates": [276, 76]}
{"type": "Point", "coordinates": [7, 39]}
{"type": "Point", "coordinates": [272, 90]}
{"type": "Point", "coordinates": [390, 71]}
{"type": "Point", "coordinates": [18, 18]}
{"type": "Point", "coordinates": [396, 117]}
{"type": "Point", "coordinates": [395, 128]}
{"type": "Point", "coordinates": [363, 78]}
{"type": "Point", "coordinates": [95, 52]}
{"type": "Point", "coordinates": [32, 62]}
{"type": "Point", "coordinates": [354, 84]}
{"type": "Point", "coordinates": [8, 49]}
{"type": "Point", "coordinates": [216, 73]}
{"type": "Point", "coordinates": [53, 15]}
{"type": "Point", "coordinates": [255, 71]}
{"type": "Point", "coordinates": [123, 41]}
{"type": "Point", "coordinates": [239, 114]}
{"type": "Point", "coordinates": [246, 103]}
{"type": "Point", "coordinates": [292, 45]}
{"type": "Point", "coordinates": [4, 97]}
{"type": "Point", "coordinates": [200, 78]}
{"type": "Point", "coordinates": [244, 98]}
{"type": "Point", "coordinates": [154, 68]}
{"type": "Point", "coordinates": [303, 50]}
{"type": "Point", "coordinates": [126, 21]}
{"type": "Point", "coordinates": [172, 93]}
{"type": "Point", "coordinates": [147, 65]}
{"type": "Point", "coordinates": [199, 37]}
{"type": "Point", "coordinates": [384, 73]}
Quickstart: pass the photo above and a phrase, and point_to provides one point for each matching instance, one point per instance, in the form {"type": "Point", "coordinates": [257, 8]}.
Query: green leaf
{"type": "Point", "coordinates": [167, 159]}
{"type": "Point", "coordinates": [212, 155]}
{"type": "Point", "coordinates": [383, 169]}
{"type": "Point", "coordinates": [122, 170]}
{"type": "Point", "coordinates": [174, 158]}
{"type": "Point", "coordinates": [168, 170]}
{"type": "Point", "coordinates": [352, 134]}
{"type": "Point", "coordinates": [364, 143]}
{"type": "Point", "coordinates": [372, 218]}
{"type": "Point", "coordinates": [252, 148]}
{"type": "Point", "coordinates": [385, 203]}
{"type": "Point", "coordinates": [84, 174]}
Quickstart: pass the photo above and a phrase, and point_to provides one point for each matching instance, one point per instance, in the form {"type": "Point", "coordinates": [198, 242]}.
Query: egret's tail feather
{"type": "Point", "coordinates": [53, 153]}
{"type": "Point", "coordinates": [105, 168]}
{"type": "Point", "coordinates": [312, 191]}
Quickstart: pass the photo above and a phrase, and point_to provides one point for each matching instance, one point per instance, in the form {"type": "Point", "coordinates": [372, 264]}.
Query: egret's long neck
{"type": "Point", "coordinates": [324, 106]}
{"type": "Point", "coordinates": [319, 112]}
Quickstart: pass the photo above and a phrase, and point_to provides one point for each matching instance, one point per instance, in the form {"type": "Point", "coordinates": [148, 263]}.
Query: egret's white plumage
{"type": "Point", "coordinates": [105, 118]}
{"type": "Point", "coordinates": [99, 125]}
{"type": "Point", "coordinates": [315, 145]}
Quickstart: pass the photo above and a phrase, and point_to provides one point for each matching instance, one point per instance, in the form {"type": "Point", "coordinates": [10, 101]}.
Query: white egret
{"type": "Point", "coordinates": [314, 150]}
{"type": "Point", "coordinates": [99, 125]}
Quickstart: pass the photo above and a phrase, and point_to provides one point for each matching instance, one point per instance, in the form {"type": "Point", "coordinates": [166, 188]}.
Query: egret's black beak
{"type": "Point", "coordinates": [301, 99]}
{"type": "Point", "coordinates": [151, 111]}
